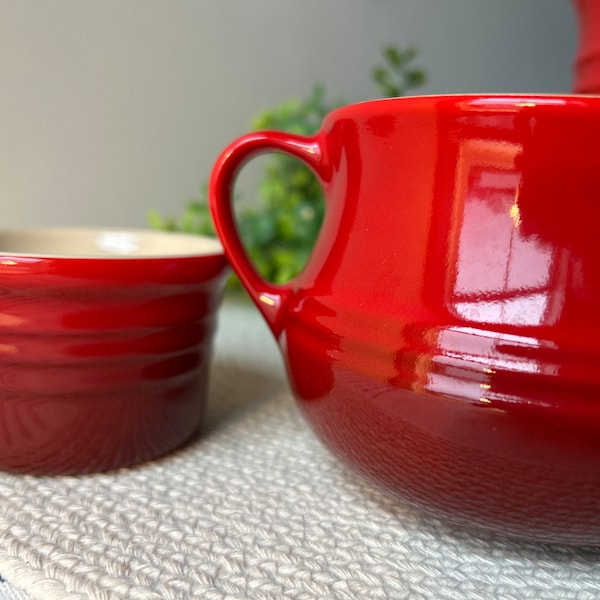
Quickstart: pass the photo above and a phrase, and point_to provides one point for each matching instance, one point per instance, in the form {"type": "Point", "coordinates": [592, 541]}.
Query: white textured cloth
{"type": "Point", "coordinates": [256, 508]}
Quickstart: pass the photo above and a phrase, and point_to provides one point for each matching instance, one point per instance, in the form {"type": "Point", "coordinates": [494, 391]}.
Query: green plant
{"type": "Point", "coordinates": [280, 229]}
{"type": "Point", "coordinates": [397, 76]}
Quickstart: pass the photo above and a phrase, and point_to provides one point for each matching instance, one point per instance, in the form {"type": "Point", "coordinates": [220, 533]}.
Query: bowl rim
{"type": "Point", "coordinates": [104, 243]}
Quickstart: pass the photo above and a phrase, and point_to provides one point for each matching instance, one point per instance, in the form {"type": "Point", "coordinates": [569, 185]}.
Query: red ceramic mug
{"type": "Point", "coordinates": [444, 336]}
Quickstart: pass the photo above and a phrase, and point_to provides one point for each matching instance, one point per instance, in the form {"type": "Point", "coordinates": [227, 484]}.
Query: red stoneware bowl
{"type": "Point", "coordinates": [105, 342]}
{"type": "Point", "coordinates": [444, 336]}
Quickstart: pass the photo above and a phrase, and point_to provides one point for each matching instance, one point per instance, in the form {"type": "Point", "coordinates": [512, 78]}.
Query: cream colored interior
{"type": "Point", "coordinates": [113, 243]}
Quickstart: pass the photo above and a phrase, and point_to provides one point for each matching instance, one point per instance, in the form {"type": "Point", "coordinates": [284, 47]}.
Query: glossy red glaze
{"type": "Point", "coordinates": [443, 338]}
{"type": "Point", "coordinates": [103, 360]}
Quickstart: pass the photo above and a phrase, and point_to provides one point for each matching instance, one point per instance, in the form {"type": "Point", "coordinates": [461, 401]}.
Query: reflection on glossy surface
{"type": "Point", "coordinates": [443, 337]}
{"type": "Point", "coordinates": [103, 361]}
{"type": "Point", "coordinates": [502, 274]}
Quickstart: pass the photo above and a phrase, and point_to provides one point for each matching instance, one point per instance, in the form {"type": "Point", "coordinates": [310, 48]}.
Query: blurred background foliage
{"type": "Point", "coordinates": [279, 229]}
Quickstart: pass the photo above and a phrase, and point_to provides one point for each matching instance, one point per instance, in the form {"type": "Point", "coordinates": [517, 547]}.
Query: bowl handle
{"type": "Point", "coordinates": [271, 299]}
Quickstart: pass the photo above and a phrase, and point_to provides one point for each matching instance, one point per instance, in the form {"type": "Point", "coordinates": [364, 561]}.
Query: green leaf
{"type": "Point", "coordinates": [155, 220]}
{"type": "Point", "coordinates": [397, 76]}
{"type": "Point", "coordinates": [393, 56]}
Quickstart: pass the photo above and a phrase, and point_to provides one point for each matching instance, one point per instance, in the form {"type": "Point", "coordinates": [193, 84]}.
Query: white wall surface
{"type": "Point", "coordinates": [109, 108]}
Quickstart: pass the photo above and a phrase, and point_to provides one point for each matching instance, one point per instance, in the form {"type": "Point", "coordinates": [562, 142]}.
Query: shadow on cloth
{"type": "Point", "coordinates": [237, 387]}
{"type": "Point", "coordinates": [487, 544]}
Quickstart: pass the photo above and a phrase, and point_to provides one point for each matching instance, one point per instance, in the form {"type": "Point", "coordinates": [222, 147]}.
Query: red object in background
{"type": "Point", "coordinates": [444, 337]}
{"type": "Point", "coordinates": [587, 61]}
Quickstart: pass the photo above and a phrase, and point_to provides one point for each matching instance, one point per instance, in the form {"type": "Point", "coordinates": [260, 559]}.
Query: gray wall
{"type": "Point", "coordinates": [111, 107]}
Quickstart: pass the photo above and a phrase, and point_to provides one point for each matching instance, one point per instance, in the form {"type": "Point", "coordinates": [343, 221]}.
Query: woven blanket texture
{"type": "Point", "coordinates": [256, 508]}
